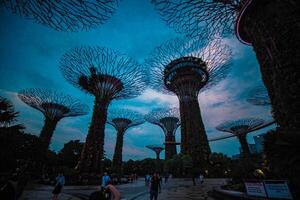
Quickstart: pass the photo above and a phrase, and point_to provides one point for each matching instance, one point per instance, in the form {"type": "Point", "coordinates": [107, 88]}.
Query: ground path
{"type": "Point", "coordinates": [177, 189]}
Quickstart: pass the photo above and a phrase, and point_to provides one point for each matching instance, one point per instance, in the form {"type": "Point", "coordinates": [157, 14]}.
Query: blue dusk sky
{"type": "Point", "coordinates": [29, 57]}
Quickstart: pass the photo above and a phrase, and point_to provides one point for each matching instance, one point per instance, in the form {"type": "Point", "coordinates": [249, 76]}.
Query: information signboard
{"type": "Point", "coordinates": [278, 189]}
{"type": "Point", "coordinates": [255, 188]}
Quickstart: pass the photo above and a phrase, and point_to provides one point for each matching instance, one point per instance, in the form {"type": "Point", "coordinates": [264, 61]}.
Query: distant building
{"type": "Point", "coordinates": [259, 142]}
{"type": "Point", "coordinates": [255, 148]}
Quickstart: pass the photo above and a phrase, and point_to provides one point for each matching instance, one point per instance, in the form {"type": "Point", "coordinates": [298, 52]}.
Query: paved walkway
{"type": "Point", "coordinates": [183, 189]}
{"type": "Point", "coordinates": [177, 189]}
{"type": "Point", "coordinates": [41, 192]}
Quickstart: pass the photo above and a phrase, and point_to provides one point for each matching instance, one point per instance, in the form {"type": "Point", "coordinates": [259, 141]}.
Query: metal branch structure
{"type": "Point", "coordinates": [168, 120]}
{"type": "Point", "coordinates": [54, 105]}
{"type": "Point", "coordinates": [199, 18]}
{"type": "Point", "coordinates": [259, 96]}
{"type": "Point", "coordinates": [107, 75]}
{"type": "Point", "coordinates": [271, 26]}
{"type": "Point", "coordinates": [121, 120]}
{"type": "Point", "coordinates": [64, 15]}
{"type": "Point", "coordinates": [184, 68]}
{"type": "Point", "coordinates": [240, 128]}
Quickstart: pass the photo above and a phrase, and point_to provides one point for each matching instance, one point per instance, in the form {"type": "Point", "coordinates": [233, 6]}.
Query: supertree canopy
{"type": "Point", "coordinates": [106, 75]}
{"type": "Point", "coordinates": [185, 68]}
{"type": "Point", "coordinates": [270, 26]}
{"type": "Point", "coordinates": [240, 128]}
{"type": "Point", "coordinates": [168, 120]}
{"type": "Point", "coordinates": [121, 120]}
{"type": "Point", "coordinates": [259, 96]}
{"type": "Point", "coordinates": [54, 105]}
{"type": "Point", "coordinates": [64, 15]}
{"type": "Point", "coordinates": [203, 18]}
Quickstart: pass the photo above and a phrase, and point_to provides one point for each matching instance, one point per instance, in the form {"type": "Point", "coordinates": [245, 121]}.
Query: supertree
{"type": "Point", "coordinates": [54, 105]}
{"type": "Point", "coordinates": [64, 15]}
{"type": "Point", "coordinates": [185, 68]}
{"type": "Point", "coordinates": [271, 26]}
{"type": "Point", "coordinates": [107, 75]}
{"type": "Point", "coordinates": [168, 120]}
{"type": "Point", "coordinates": [240, 128]}
{"type": "Point", "coordinates": [157, 149]}
{"type": "Point", "coordinates": [259, 96]}
{"type": "Point", "coordinates": [121, 120]}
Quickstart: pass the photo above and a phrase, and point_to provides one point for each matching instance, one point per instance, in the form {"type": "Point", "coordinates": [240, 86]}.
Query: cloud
{"type": "Point", "coordinates": [152, 96]}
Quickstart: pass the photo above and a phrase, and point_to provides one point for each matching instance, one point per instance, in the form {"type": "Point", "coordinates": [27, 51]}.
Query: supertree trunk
{"type": "Point", "coordinates": [273, 28]}
{"type": "Point", "coordinates": [170, 149]}
{"type": "Point", "coordinates": [244, 145]}
{"type": "Point", "coordinates": [92, 153]}
{"type": "Point", "coordinates": [117, 159]}
{"type": "Point", "coordinates": [47, 131]}
{"type": "Point", "coordinates": [157, 162]}
{"type": "Point", "coordinates": [194, 139]}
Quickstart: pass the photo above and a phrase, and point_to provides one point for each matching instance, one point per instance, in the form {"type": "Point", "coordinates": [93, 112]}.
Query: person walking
{"type": "Point", "coordinates": [201, 177]}
{"type": "Point", "coordinates": [155, 186]}
{"type": "Point", "coordinates": [105, 180]}
{"type": "Point", "coordinates": [166, 177]}
{"type": "Point", "coordinates": [147, 179]}
{"type": "Point", "coordinates": [60, 182]}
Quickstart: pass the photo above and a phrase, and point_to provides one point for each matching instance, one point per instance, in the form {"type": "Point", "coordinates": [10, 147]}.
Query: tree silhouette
{"type": "Point", "coordinates": [70, 153]}
{"type": "Point", "coordinates": [8, 116]}
{"type": "Point", "coordinates": [168, 120]}
{"type": "Point", "coordinates": [185, 68]}
{"type": "Point", "coordinates": [54, 105]}
{"type": "Point", "coordinates": [106, 75]}
{"type": "Point", "coordinates": [64, 15]}
{"type": "Point", "coordinates": [121, 120]}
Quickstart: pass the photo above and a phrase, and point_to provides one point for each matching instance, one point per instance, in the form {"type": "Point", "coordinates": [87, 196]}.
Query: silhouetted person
{"type": "Point", "coordinates": [155, 186]}
{"type": "Point", "coordinates": [166, 177]}
{"type": "Point", "coordinates": [194, 176]}
{"type": "Point", "coordinates": [60, 182]}
{"type": "Point", "coordinates": [201, 177]}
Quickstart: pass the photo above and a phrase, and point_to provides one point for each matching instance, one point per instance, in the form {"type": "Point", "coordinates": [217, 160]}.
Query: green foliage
{"type": "Point", "coordinates": [69, 155]}
{"type": "Point", "coordinates": [16, 147]}
{"type": "Point", "coordinates": [220, 165]}
{"type": "Point", "coordinates": [141, 167]}
{"type": "Point", "coordinates": [179, 166]}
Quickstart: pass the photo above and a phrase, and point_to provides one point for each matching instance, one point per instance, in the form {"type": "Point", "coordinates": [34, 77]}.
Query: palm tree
{"type": "Point", "coordinates": [8, 116]}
